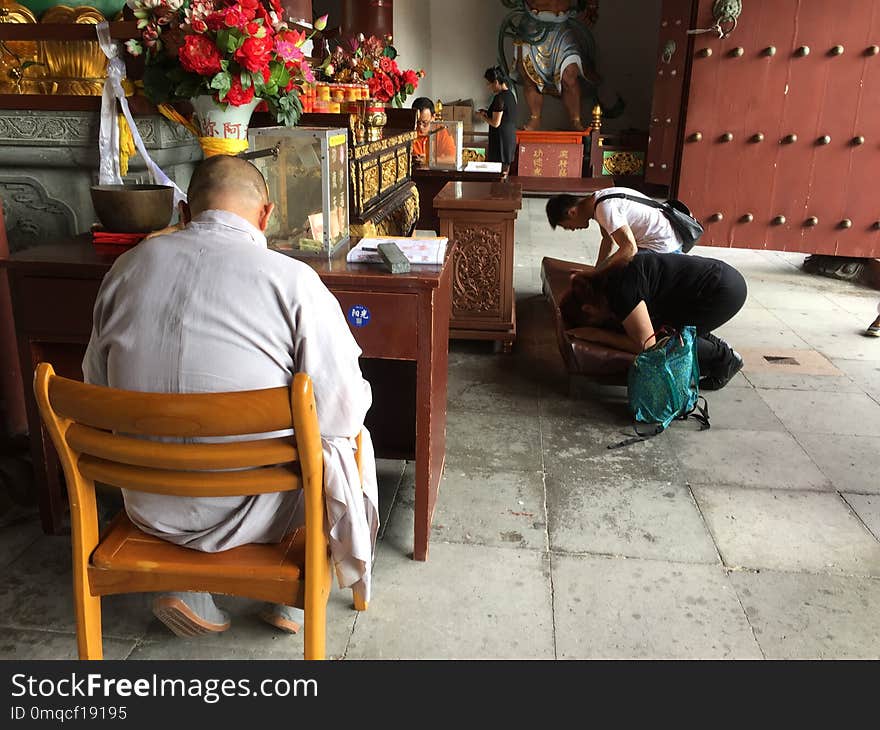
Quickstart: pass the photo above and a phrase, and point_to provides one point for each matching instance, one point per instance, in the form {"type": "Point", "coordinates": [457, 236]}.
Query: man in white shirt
{"type": "Point", "coordinates": [210, 308]}
{"type": "Point", "coordinates": [629, 225]}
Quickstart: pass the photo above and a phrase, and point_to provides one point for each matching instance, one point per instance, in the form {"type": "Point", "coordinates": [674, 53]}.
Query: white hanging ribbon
{"type": "Point", "coordinates": [108, 138]}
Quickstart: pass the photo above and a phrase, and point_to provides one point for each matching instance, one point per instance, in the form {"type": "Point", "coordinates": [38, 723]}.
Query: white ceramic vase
{"type": "Point", "coordinates": [231, 122]}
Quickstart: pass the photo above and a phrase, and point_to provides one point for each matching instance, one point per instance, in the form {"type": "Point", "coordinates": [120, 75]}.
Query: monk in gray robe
{"type": "Point", "coordinates": [210, 308]}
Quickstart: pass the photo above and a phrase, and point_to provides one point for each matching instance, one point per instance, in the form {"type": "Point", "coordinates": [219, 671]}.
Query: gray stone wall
{"type": "Point", "coordinates": [49, 160]}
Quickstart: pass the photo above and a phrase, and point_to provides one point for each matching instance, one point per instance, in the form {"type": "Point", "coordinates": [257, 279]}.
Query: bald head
{"type": "Point", "coordinates": [228, 183]}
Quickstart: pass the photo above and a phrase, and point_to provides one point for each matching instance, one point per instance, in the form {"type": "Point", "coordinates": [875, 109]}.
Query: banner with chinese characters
{"type": "Point", "coordinates": [548, 159]}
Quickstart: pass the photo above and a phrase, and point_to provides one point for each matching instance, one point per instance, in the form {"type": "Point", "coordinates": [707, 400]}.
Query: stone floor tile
{"type": "Point", "coordinates": [31, 644]}
{"type": "Point", "coordinates": [831, 317]}
{"type": "Point", "coordinates": [465, 602]}
{"type": "Point", "coordinates": [16, 537]}
{"type": "Point", "coordinates": [761, 337]}
{"type": "Point", "coordinates": [249, 637]}
{"type": "Point", "coordinates": [862, 302]}
{"type": "Point", "coordinates": [777, 361]}
{"type": "Point", "coordinates": [776, 296]}
{"type": "Point", "coordinates": [866, 373]}
{"type": "Point", "coordinates": [850, 462]}
{"type": "Point", "coordinates": [800, 616]}
{"type": "Point", "coordinates": [612, 608]}
{"type": "Point", "coordinates": [37, 592]}
{"type": "Point", "coordinates": [795, 381]}
{"type": "Point", "coordinates": [574, 448]}
{"type": "Point", "coordinates": [485, 441]}
{"type": "Point", "coordinates": [867, 507]}
{"type": "Point", "coordinates": [746, 458]}
{"type": "Point", "coordinates": [740, 408]}
{"type": "Point", "coordinates": [756, 315]}
{"type": "Point", "coordinates": [628, 517]}
{"type": "Point", "coordinates": [493, 386]}
{"type": "Point", "coordinates": [499, 509]}
{"type": "Point", "coordinates": [853, 414]}
{"type": "Point", "coordinates": [843, 340]}
{"type": "Point", "coordinates": [794, 531]}
{"type": "Point", "coordinates": [389, 475]}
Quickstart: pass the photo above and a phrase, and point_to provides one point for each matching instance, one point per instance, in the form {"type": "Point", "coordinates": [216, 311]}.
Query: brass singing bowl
{"type": "Point", "coordinates": [133, 208]}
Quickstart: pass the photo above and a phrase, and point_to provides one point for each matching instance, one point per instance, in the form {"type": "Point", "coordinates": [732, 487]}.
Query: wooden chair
{"type": "Point", "coordinates": [85, 423]}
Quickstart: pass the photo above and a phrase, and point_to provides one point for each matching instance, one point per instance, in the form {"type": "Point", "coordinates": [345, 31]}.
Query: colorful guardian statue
{"type": "Point", "coordinates": [554, 52]}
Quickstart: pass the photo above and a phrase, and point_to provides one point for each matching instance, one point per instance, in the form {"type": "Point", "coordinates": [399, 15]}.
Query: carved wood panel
{"type": "Point", "coordinates": [476, 283]}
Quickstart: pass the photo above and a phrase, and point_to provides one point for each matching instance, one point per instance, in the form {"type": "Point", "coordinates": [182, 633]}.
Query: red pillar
{"type": "Point", "coordinates": [370, 17]}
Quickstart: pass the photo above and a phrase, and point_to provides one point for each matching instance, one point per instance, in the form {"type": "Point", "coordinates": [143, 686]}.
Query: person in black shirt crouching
{"type": "Point", "coordinates": [654, 290]}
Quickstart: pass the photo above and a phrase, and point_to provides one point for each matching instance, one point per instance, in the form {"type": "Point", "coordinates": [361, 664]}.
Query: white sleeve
{"type": "Point", "coordinates": [610, 216]}
{"type": "Point", "coordinates": [325, 349]}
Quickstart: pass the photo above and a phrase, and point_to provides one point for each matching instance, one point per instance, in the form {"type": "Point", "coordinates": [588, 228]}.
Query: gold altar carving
{"type": "Point", "coordinates": [371, 148]}
{"type": "Point", "coordinates": [403, 163]}
{"type": "Point", "coordinates": [388, 166]}
{"type": "Point", "coordinates": [402, 219]}
{"type": "Point", "coordinates": [370, 182]}
{"type": "Point", "coordinates": [76, 68]}
{"type": "Point", "coordinates": [14, 77]}
{"type": "Point", "coordinates": [476, 282]}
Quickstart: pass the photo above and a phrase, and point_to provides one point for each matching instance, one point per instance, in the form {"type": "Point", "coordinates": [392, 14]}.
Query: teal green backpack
{"type": "Point", "coordinates": [663, 384]}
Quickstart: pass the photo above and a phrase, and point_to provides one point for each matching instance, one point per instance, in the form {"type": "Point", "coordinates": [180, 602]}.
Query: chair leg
{"type": "Point", "coordinates": [359, 603]}
{"type": "Point", "coordinates": [88, 623]}
{"type": "Point", "coordinates": [315, 639]}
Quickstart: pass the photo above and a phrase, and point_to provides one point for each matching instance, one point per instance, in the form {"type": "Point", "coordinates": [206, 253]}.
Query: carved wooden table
{"type": "Point", "coordinates": [479, 217]}
{"type": "Point", "coordinates": [431, 181]}
{"type": "Point", "coordinates": [405, 355]}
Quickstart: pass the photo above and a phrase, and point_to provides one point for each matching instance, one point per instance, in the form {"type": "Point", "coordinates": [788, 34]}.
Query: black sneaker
{"type": "Point", "coordinates": [717, 382]}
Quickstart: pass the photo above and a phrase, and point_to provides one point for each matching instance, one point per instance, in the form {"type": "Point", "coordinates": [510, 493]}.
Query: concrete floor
{"type": "Point", "coordinates": [756, 539]}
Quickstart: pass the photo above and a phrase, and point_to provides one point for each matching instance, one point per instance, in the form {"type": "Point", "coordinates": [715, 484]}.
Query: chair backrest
{"type": "Point", "coordinates": [109, 436]}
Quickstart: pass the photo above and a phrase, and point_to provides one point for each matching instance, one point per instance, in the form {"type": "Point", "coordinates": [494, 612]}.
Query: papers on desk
{"type": "Point", "coordinates": [473, 166]}
{"type": "Point", "coordinates": [416, 250]}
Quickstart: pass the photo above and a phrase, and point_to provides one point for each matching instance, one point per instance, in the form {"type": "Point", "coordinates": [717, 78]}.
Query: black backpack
{"type": "Point", "coordinates": [677, 213]}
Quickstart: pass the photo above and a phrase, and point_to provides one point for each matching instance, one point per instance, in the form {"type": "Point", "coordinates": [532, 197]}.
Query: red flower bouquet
{"type": "Point", "coordinates": [235, 50]}
{"type": "Point", "coordinates": [373, 61]}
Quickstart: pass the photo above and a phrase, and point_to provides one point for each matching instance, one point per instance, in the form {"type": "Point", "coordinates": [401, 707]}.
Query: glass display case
{"type": "Point", "coordinates": [475, 146]}
{"type": "Point", "coordinates": [307, 175]}
{"type": "Point", "coordinates": [445, 144]}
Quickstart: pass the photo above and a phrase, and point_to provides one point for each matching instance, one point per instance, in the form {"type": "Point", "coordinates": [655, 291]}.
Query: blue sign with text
{"type": "Point", "coordinates": [358, 316]}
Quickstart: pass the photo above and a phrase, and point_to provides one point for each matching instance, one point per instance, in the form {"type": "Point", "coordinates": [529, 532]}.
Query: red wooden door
{"type": "Point", "coordinates": [781, 138]}
{"type": "Point", "coordinates": [669, 80]}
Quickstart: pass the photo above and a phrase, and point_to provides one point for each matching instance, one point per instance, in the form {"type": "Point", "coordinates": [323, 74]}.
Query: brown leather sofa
{"type": "Point", "coordinates": [581, 357]}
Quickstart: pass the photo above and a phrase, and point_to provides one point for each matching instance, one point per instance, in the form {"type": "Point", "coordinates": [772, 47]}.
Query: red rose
{"type": "Point", "coordinates": [255, 53]}
{"type": "Point", "coordinates": [247, 9]}
{"type": "Point", "coordinates": [411, 78]}
{"type": "Point", "coordinates": [388, 87]}
{"type": "Point", "coordinates": [375, 87]}
{"type": "Point", "coordinates": [233, 18]}
{"type": "Point", "coordinates": [238, 96]}
{"type": "Point", "coordinates": [215, 20]}
{"type": "Point", "coordinates": [199, 54]}
{"type": "Point", "coordinates": [385, 64]}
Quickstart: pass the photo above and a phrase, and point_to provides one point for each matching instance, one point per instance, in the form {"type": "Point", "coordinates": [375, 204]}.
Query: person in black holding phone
{"type": "Point", "coordinates": [501, 118]}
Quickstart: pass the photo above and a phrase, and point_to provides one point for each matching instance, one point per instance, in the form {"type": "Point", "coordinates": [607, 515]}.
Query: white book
{"type": "Point", "coordinates": [416, 250]}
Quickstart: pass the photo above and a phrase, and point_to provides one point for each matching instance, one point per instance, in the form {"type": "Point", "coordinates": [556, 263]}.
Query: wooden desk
{"type": "Point", "coordinates": [478, 218]}
{"type": "Point", "coordinates": [405, 355]}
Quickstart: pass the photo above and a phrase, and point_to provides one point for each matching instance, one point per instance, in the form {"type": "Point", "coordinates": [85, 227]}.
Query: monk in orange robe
{"type": "Point", "coordinates": [444, 144]}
